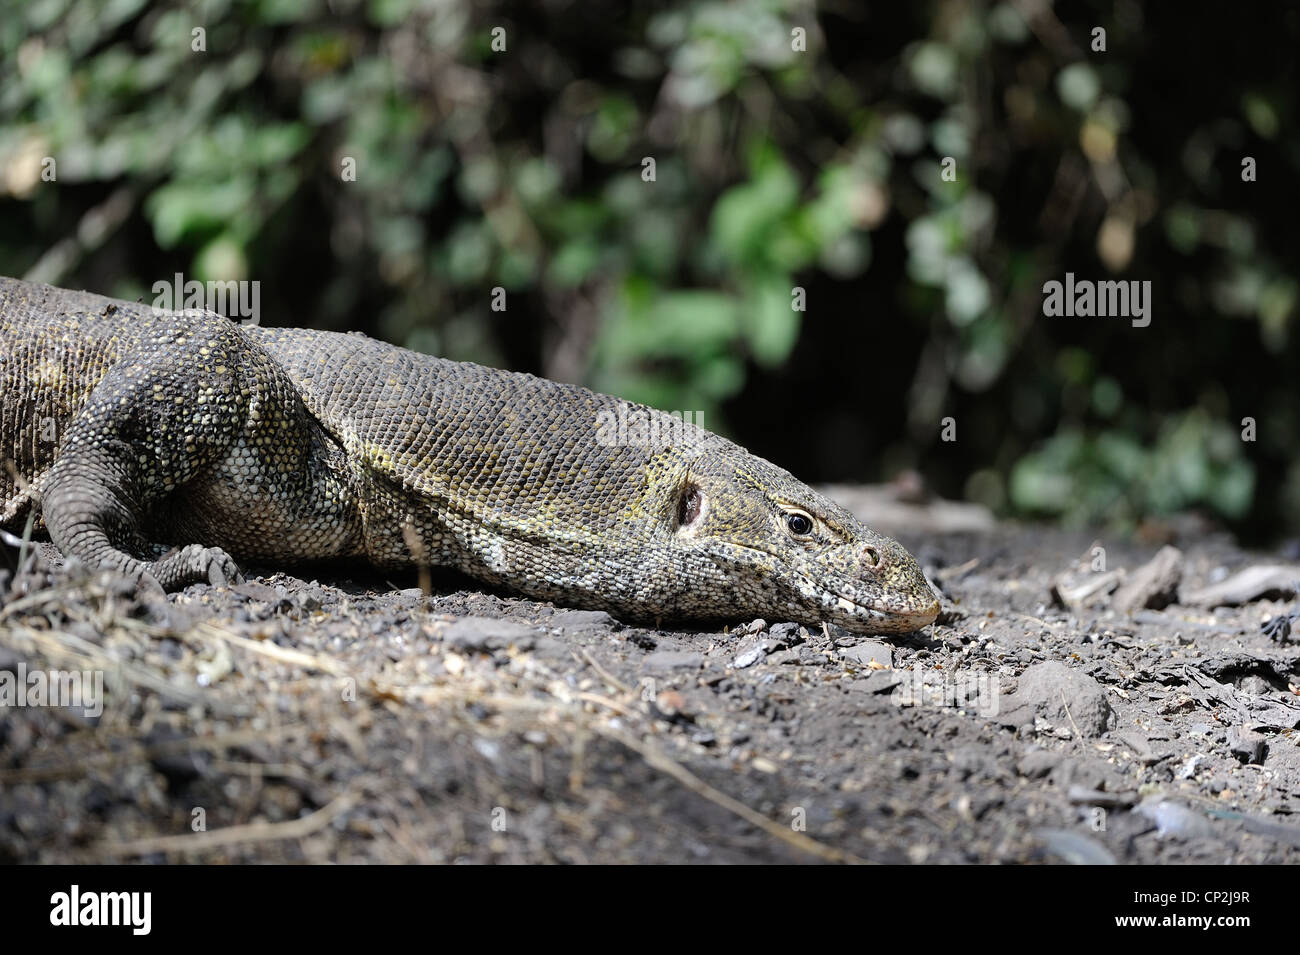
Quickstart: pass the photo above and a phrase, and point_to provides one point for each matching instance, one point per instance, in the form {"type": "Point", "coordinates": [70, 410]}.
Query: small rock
{"type": "Point", "coordinates": [1086, 773]}
{"type": "Point", "coordinates": [880, 681]}
{"type": "Point", "coordinates": [310, 600]}
{"type": "Point", "coordinates": [670, 703]}
{"type": "Point", "coordinates": [1174, 819]}
{"type": "Point", "coordinates": [583, 620]}
{"type": "Point", "coordinates": [1245, 744]}
{"type": "Point", "coordinates": [487, 633]}
{"type": "Point", "coordinates": [1245, 586]}
{"type": "Point", "coordinates": [1175, 703]}
{"type": "Point", "coordinates": [1141, 747]}
{"type": "Point", "coordinates": [1077, 589]}
{"type": "Point", "coordinates": [1074, 848]}
{"type": "Point", "coordinates": [1037, 763]}
{"type": "Point", "coordinates": [785, 635]}
{"type": "Point", "coordinates": [489, 749]}
{"type": "Point", "coordinates": [865, 653]}
{"type": "Point", "coordinates": [1060, 694]}
{"type": "Point", "coordinates": [1083, 796]}
{"type": "Point", "coordinates": [1254, 686]}
{"type": "Point", "coordinates": [751, 654]}
{"type": "Point", "coordinates": [673, 660]}
{"type": "Point", "coordinates": [1154, 584]}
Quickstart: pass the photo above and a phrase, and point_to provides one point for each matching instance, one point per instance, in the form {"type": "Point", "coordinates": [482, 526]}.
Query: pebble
{"type": "Point", "coordinates": [1047, 689]}
{"type": "Point", "coordinates": [673, 660]}
{"type": "Point", "coordinates": [864, 653]}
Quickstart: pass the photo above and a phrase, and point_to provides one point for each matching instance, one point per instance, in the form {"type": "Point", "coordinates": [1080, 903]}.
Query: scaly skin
{"type": "Point", "coordinates": [171, 445]}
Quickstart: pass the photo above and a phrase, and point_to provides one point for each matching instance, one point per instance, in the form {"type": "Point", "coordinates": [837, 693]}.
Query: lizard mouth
{"type": "Point", "coordinates": [893, 620]}
{"type": "Point", "coordinates": [859, 616]}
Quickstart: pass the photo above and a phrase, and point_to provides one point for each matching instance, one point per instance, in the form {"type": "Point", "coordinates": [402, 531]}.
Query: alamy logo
{"type": "Point", "coordinates": [83, 689]}
{"type": "Point", "coordinates": [103, 908]}
{"type": "Point", "coordinates": [242, 300]}
{"type": "Point", "coordinates": [639, 427]}
{"type": "Point", "coordinates": [1085, 299]}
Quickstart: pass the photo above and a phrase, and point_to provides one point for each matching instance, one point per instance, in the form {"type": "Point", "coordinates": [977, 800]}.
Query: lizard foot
{"type": "Point", "coordinates": [193, 564]}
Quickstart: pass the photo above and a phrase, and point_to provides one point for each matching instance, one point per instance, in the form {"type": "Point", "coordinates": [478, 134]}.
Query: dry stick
{"type": "Point", "coordinates": [1077, 734]}
{"type": "Point", "coordinates": [666, 764]}
{"type": "Point", "coordinates": [27, 542]}
{"type": "Point", "coordinates": [272, 770]}
{"type": "Point", "coordinates": [604, 701]}
{"type": "Point", "coordinates": [957, 569]}
{"type": "Point", "coordinates": [276, 652]}
{"type": "Point", "coordinates": [417, 550]}
{"type": "Point", "coordinates": [232, 835]}
{"type": "Point", "coordinates": [605, 674]}
{"type": "Point", "coordinates": [62, 647]}
{"type": "Point", "coordinates": [138, 753]}
{"type": "Point", "coordinates": [321, 664]}
{"type": "Point", "coordinates": [660, 760]}
{"type": "Point", "coordinates": [49, 595]}
{"type": "Point", "coordinates": [93, 230]}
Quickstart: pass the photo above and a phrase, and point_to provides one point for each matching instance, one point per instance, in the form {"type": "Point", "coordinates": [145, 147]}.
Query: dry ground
{"type": "Point", "coordinates": [346, 720]}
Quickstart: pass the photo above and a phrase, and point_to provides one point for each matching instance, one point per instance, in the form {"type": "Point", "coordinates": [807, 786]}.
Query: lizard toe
{"type": "Point", "coordinates": [222, 570]}
{"type": "Point", "coordinates": [194, 564]}
{"type": "Point", "coordinates": [147, 587]}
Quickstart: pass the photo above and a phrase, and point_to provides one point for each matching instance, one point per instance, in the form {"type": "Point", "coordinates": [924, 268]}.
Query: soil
{"type": "Point", "coordinates": [356, 719]}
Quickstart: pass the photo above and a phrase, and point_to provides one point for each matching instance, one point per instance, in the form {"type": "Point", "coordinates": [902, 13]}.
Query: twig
{"type": "Point", "coordinates": [233, 835]}
{"type": "Point", "coordinates": [605, 674]}
{"type": "Point", "coordinates": [665, 764]}
{"type": "Point", "coordinates": [1069, 716]}
{"type": "Point", "coordinates": [276, 652]}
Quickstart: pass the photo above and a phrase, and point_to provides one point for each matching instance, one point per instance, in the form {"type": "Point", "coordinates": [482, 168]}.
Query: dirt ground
{"type": "Point", "coordinates": [1060, 710]}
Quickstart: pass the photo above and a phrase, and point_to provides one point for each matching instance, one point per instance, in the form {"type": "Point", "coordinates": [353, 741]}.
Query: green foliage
{"type": "Point", "coordinates": [1109, 477]}
{"type": "Point", "coordinates": [917, 171]}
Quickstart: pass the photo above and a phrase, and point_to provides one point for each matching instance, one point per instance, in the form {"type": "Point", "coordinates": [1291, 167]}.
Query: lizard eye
{"type": "Point", "coordinates": [799, 523]}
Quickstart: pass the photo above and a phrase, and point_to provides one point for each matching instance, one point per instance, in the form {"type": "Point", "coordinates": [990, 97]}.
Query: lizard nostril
{"type": "Point", "coordinates": [870, 556]}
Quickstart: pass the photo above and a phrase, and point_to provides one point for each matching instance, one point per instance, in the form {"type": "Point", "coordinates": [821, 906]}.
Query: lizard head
{"type": "Point", "coordinates": [800, 556]}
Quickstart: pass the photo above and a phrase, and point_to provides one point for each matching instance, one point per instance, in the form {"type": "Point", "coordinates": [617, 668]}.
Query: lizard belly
{"type": "Point", "coordinates": [248, 505]}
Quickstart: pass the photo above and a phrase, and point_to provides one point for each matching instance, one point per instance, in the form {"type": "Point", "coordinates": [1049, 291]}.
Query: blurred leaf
{"type": "Point", "coordinates": [746, 217]}
{"type": "Point", "coordinates": [1078, 86]}
{"type": "Point", "coordinates": [771, 323]}
{"type": "Point", "coordinates": [180, 210]}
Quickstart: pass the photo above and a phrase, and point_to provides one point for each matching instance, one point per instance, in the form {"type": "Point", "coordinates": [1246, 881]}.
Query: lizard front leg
{"type": "Point", "coordinates": [91, 505]}
{"type": "Point", "coordinates": [157, 420]}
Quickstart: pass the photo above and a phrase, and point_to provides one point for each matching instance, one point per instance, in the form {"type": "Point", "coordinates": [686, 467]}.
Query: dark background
{"type": "Point", "coordinates": [774, 168]}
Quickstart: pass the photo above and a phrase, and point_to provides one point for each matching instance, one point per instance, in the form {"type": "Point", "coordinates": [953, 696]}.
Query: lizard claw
{"type": "Point", "coordinates": [223, 570]}
{"type": "Point", "coordinates": [195, 563]}
{"type": "Point", "coordinates": [148, 588]}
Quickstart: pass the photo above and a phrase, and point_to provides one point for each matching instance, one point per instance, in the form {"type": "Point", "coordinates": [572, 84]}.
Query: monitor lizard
{"type": "Point", "coordinates": [169, 445]}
